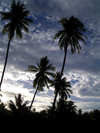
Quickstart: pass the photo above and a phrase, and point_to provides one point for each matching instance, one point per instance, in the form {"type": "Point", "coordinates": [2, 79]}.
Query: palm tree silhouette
{"type": "Point", "coordinates": [70, 36]}
{"type": "Point", "coordinates": [19, 106]}
{"type": "Point", "coordinates": [43, 70]}
{"type": "Point", "coordinates": [18, 21]}
{"type": "Point", "coordinates": [71, 107]}
{"type": "Point", "coordinates": [65, 107]}
{"type": "Point", "coordinates": [61, 87]}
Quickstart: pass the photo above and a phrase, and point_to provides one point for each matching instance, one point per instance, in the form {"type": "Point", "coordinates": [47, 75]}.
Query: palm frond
{"type": "Point", "coordinates": [27, 20]}
{"type": "Point", "coordinates": [63, 36]}
{"type": "Point", "coordinates": [10, 31]}
{"type": "Point", "coordinates": [12, 106]}
{"type": "Point", "coordinates": [24, 22]}
{"type": "Point", "coordinates": [47, 79]}
{"type": "Point", "coordinates": [19, 100]}
{"type": "Point", "coordinates": [63, 22]}
{"type": "Point", "coordinates": [80, 38]}
{"type": "Point", "coordinates": [25, 13]}
{"type": "Point", "coordinates": [32, 69]}
{"type": "Point", "coordinates": [6, 28]}
{"type": "Point", "coordinates": [80, 34]}
{"type": "Point", "coordinates": [35, 82]}
{"type": "Point", "coordinates": [58, 34]}
{"type": "Point", "coordinates": [13, 5]}
{"type": "Point", "coordinates": [50, 67]}
{"type": "Point", "coordinates": [24, 27]}
{"type": "Point", "coordinates": [39, 66]}
{"type": "Point", "coordinates": [18, 32]}
{"type": "Point", "coordinates": [6, 15]}
{"type": "Point", "coordinates": [40, 87]}
{"type": "Point", "coordinates": [50, 74]}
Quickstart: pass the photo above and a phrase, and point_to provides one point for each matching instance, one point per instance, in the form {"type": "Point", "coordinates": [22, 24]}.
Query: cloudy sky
{"type": "Point", "coordinates": [83, 71]}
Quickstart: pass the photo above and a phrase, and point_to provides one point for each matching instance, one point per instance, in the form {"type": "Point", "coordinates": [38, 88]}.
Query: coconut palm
{"type": "Point", "coordinates": [19, 106]}
{"type": "Point", "coordinates": [43, 71]}
{"type": "Point", "coordinates": [66, 107]}
{"type": "Point", "coordinates": [71, 107]}
{"type": "Point", "coordinates": [61, 88]}
{"type": "Point", "coordinates": [18, 21]}
{"type": "Point", "coordinates": [70, 35]}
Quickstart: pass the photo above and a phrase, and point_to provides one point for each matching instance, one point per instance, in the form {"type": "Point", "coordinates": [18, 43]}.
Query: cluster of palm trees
{"type": "Point", "coordinates": [70, 35]}
{"type": "Point", "coordinates": [19, 110]}
{"type": "Point", "coordinates": [46, 78]}
{"type": "Point", "coordinates": [19, 107]}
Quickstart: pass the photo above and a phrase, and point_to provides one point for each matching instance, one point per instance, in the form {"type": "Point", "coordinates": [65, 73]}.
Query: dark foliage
{"type": "Point", "coordinates": [64, 110]}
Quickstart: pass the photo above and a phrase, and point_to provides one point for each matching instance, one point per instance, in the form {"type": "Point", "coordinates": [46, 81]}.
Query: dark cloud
{"type": "Point", "coordinates": [90, 91]}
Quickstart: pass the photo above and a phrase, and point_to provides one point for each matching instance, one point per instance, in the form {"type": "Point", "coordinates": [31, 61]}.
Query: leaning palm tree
{"type": "Point", "coordinates": [70, 35]}
{"type": "Point", "coordinates": [43, 71]}
{"type": "Point", "coordinates": [18, 21]}
{"type": "Point", "coordinates": [19, 106]}
{"type": "Point", "coordinates": [61, 88]}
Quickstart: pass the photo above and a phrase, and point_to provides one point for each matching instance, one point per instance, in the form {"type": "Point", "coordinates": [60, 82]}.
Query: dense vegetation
{"type": "Point", "coordinates": [19, 110]}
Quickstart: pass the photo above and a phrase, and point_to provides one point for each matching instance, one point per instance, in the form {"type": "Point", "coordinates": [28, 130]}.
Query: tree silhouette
{"type": "Point", "coordinates": [71, 107]}
{"type": "Point", "coordinates": [61, 87]}
{"type": "Point", "coordinates": [43, 71]}
{"type": "Point", "coordinates": [66, 109]}
{"type": "Point", "coordinates": [70, 36]}
{"type": "Point", "coordinates": [2, 109]}
{"type": "Point", "coordinates": [79, 112]}
{"type": "Point", "coordinates": [19, 107]}
{"type": "Point", "coordinates": [18, 21]}
{"type": "Point", "coordinates": [95, 114]}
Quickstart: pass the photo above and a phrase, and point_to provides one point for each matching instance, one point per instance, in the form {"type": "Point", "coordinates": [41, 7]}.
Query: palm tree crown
{"type": "Point", "coordinates": [17, 18]}
{"type": "Point", "coordinates": [64, 106]}
{"type": "Point", "coordinates": [61, 86]}
{"type": "Point", "coordinates": [43, 70]}
{"type": "Point", "coordinates": [71, 34]}
{"type": "Point", "coordinates": [19, 106]}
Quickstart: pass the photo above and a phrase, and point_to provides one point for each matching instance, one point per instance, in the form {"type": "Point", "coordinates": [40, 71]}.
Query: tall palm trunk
{"type": "Point", "coordinates": [63, 62]}
{"type": "Point", "coordinates": [5, 62]}
{"type": "Point", "coordinates": [33, 99]}
{"type": "Point", "coordinates": [53, 107]}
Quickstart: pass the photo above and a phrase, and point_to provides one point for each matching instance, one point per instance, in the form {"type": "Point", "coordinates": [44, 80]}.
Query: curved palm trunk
{"type": "Point", "coordinates": [5, 63]}
{"type": "Point", "coordinates": [63, 63]}
{"type": "Point", "coordinates": [33, 99]}
{"type": "Point", "coordinates": [53, 107]}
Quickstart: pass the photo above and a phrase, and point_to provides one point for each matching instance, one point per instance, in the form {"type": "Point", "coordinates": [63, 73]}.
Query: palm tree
{"type": "Point", "coordinates": [19, 106]}
{"type": "Point", "coordinates": [71, 107]}
{"type": "Point", "coordinates": [18, 21]}
{"type": "Point", "coordinates": [61, 106]}
{"type": "Point", "coordinates": [66, 107]}
{"type": "Point", "coordinates": [43, 70]}
{"type": "Point", "coordinates": [3, 109]}
{"type": "Point", "coordinates": [61, 88]}
{"type": "Point", "coordinates": [71, 34]}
